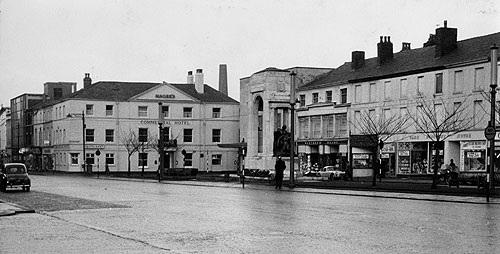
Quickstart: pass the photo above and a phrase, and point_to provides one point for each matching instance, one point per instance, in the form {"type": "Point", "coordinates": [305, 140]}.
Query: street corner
{"type": "Point", "coordinates": [7, 209]}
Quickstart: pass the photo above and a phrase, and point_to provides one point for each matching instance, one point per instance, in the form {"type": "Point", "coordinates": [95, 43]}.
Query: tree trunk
{"type": "Point", "coordinates": [434, 160]}
{"type": "Point", "coordinates": [128, 160]}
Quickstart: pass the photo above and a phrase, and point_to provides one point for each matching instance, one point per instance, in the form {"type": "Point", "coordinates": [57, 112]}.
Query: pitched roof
{"type": "Point", "coordinates": [209, 95]}
{"type": "Point", "coordinates": [123, 91]}
{"type": "Point", "coordinates": [112, 90]}
{"type": "Point", "coordinates": [409, 62]}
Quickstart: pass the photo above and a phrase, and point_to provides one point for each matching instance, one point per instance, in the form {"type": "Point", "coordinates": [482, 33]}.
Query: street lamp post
{"type": "Point", "coordinates": [160, 140]}
{"type": "Point", "coordinates": [83, 138]}
{"type": "Point", "coordinates": [493, 85]}
{"type": "Point", "coordinates": [292, 129]}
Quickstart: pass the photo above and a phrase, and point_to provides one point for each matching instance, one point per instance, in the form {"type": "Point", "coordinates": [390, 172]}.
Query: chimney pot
{"type": "Point", "coordinates": [446, 23]}
{"type": "Point", "coordinates": [190, 78]}
{"type": "Point", "coordinates": [223, 79]}
{"type": "Point", "coordinates": [87, 81]}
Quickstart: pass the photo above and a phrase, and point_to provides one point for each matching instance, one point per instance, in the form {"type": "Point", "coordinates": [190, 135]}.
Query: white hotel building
{"type": "Point", "coordinates": [197, 116]}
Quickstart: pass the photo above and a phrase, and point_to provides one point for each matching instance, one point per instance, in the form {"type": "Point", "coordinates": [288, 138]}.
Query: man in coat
{"type": "Point", "coordinates": [279, 169]}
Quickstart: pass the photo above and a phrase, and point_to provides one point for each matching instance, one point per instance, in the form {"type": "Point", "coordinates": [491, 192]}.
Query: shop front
{"type": "Point", "coordinates": [318, 154]}
{"type": "Point", "coordinates": [413, 158]}
{"type": "Point", "coordinates": [473, 154]}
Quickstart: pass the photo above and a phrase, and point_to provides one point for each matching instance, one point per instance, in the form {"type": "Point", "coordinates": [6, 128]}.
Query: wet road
{"type": "Point", "coordinates": [85, 215]}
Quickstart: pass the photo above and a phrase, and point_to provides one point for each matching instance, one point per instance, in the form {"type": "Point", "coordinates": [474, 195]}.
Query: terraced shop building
{"type": "Point", "coordinates": [106, 115]}
{"type": "Point", "coordinates": [444, 72]}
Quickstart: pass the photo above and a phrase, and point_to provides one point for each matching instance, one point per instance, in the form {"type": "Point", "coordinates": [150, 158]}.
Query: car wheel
{"type": "Point", "coordinates": [27, 189]}
{"type": "Point", "coordinates": [331, 178]}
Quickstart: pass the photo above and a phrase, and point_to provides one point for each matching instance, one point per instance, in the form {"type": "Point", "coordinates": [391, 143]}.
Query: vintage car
{"type": "Point", "coordinates": [331, 173]}
{"type": "Point", "coordinates": [14, 175]}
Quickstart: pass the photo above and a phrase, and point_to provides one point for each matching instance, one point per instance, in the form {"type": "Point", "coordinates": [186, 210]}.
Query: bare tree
{"type": "Point", "coordinates": [379, 127]}
{"type": "Point", "coordinates": [487, 97]}
{"type": "Point", "coordinates": [439, 119]}
{"type": "Point", "coordinates": [130, 140]}
{"type": "Point", "coordinates": [147, 144]}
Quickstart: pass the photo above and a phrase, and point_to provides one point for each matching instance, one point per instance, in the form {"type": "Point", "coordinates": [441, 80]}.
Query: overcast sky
{"type": "Point", "coordinates": [160, 40]}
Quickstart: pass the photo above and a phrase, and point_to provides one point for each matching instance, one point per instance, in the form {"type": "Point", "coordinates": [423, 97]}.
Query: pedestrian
{"type": "Point", "coordinates": [279, 169]}
{"type": "Point", "coordinates": [452, 166]}
{"type": "Point", "coordinates": [106, 169]}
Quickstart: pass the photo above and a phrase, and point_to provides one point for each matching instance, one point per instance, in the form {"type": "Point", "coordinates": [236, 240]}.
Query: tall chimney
{"type": "Point", "coordinates": [384, 50]}
{"type": "Point", "coordinates": [358, 60]}
{"type": "Point", "coordinates": [198, 81]}
{"type": "Point", "coordinates": [223, 79]}
{"type": "Point", "coordinates": [446, 40]}
{"type": "Point", "coordinates": [87, 81]}
{"type": "Point", "coordinates": [190, 77]}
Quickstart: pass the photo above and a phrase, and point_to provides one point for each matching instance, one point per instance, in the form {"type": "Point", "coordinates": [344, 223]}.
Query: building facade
{"type": "Point", "coordinates": [110, 116]}
{"type": "Point", "coordinates": [445, 72]}
{"type": "Point", "coordinates": [4, 132]}
{"type": "Point", "coordinates": [265, 113]}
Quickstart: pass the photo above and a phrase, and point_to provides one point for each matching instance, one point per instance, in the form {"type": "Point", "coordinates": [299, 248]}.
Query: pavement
{"type": "Point", "coordinates": [388, 188]}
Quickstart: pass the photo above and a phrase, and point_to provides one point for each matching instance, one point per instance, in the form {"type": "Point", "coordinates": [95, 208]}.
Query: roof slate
{"type": "Point", "coordinates": [410, 61]}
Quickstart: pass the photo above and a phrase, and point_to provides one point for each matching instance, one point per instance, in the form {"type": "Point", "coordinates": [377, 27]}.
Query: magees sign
{"type": "Point", "coordinates": [165, 96]}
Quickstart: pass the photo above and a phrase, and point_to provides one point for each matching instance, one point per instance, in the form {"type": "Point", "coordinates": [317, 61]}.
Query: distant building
{"type": "Point", "coordinates": [4, 132]}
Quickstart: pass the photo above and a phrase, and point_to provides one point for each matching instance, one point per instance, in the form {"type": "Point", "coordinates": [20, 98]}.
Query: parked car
{"type": "Point", "coordinates": [331, 173]}
{"type": "Point", "coordinates": [14, 175]}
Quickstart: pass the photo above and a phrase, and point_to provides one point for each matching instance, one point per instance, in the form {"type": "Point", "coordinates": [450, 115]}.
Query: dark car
{"type": "Point", "coordinates": [14, 175]}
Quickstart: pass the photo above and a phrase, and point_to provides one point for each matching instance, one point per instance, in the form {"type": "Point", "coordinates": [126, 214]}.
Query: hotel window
{"type": "Point", "coordinates": [216, 113]}
{"type": "Point", "coordinates": [142, 111]}
{"type": "Point", "coordinates": [188, 135]}
{"type": "Point", "coordinates": [479, 83]}
{"type": "Point", "coordinates": [328, 96]}
{"type": "Point", "coordinates": [458, 81]}
{"type": "Point", "coordinates": [328, 127]}
{"type": "Point", "coordinates": [403, 89]}
{"type": "Point", "coordinates": [439, 83]}
{"type": "Point", "coordinates": [373, 92]}
{"type": "Point", "coordinates": [302, 99]}
{"type": "Point", "coordinates": [110, 135]}
{"type": "Point", "coordinates": [357, 93]}
{"type": "Point", "coordinates": [74, 158]}
{"type": "Point", "coordinates": [216, 159]}
{"type": "Point", "coordinates": [165, 111]}
{"type": "Point", "coordinates": [109, 110]}
{"type": "Point", "coordinates": [420, 85]}
{"type": "Point", "coordinates": [343, 95]}
{"type": "Point", "coordinates": [304, 127]}
{"type": "Point", "coordinates": [143, 159]}
{"type": "Point", "coordinates": [216, 135]}
{"type": "Point", "coordinates": [90, 158]}
{"type": "Point", "coordinates": [188, 159]}
{"type": "Point", "coordinates": [110, 158]}
{"type": "Point", "coordinates": [143, 134]}
{"type": "Point", "coordinates": [89, 110]}
{"type": "Point", "coordinates": [188, 112]}
{"type": "Point", "coordinates": [315, 98]}
{"type": "Point", "coordinates": [89, 135]}
{"type": "Point", "coordinates": [387, 90]}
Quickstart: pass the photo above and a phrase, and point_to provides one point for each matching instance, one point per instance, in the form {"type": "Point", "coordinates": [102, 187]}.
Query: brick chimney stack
{"type": "Point", "coordinates": [384, 50]}
{"type": "Point", "coordinates": [358, 60]}
{"type": "Point", "coordinates": [223, 79]}
{"type": "Point", "coordinates": [87, 81]}
{"type": "Point", "coordinates": [446, 40]}
{"type": "Point", "coordinates": [198, 81]}
{"type": "Point", "coordinates": [406, 46]}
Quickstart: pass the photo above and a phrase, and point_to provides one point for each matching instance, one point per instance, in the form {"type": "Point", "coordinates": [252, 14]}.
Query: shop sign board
{"type": "Point", "coordinates": [362, 156]}
{"type": "Point", "coordinates": [474, 145]}
{"type": "Point", "coordinates": [364, 140]}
